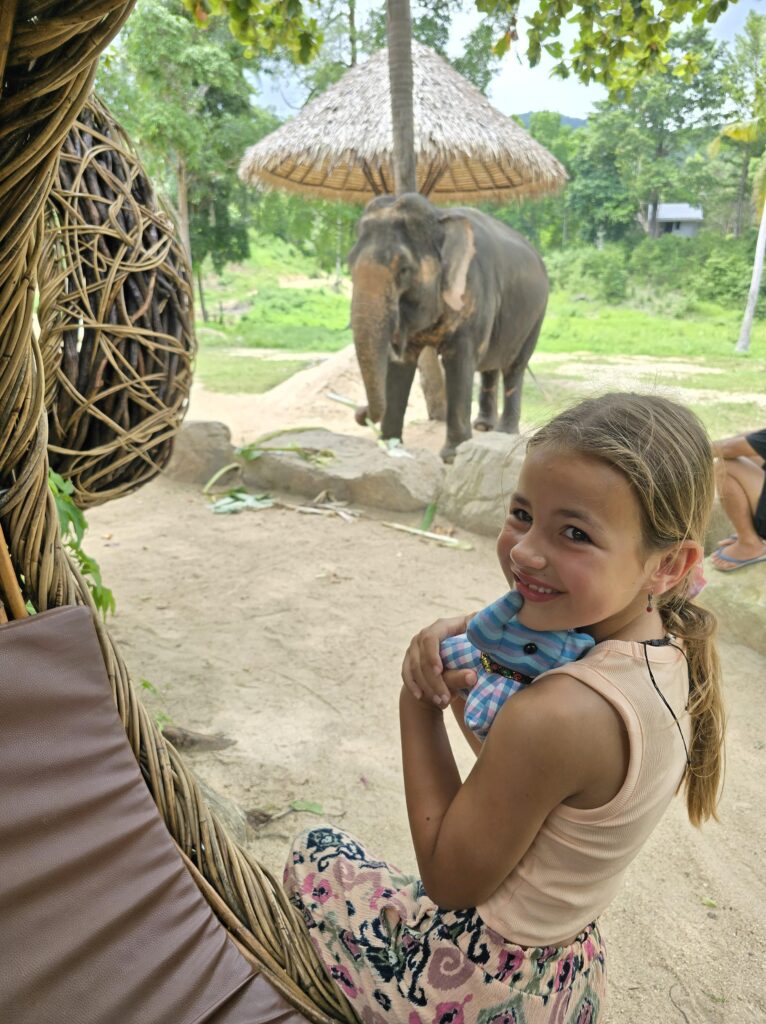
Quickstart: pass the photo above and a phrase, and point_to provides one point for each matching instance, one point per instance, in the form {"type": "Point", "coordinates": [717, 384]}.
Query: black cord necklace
{"type": "Point", "coordinates": [667, 642]}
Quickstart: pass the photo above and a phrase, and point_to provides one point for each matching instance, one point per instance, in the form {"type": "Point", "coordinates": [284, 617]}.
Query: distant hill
{"type": "Point", "coordinates": [574, 122]}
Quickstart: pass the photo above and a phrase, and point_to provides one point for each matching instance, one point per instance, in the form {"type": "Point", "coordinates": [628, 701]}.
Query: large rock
{"type": "Point", "coordinates": [201, 448]}
{"type": "Point", "coordinates": [358, 471]}
{"type": "Point", "coordinates": [739, 600]}
{"type": "Point", "coordinates": [480, 480]}
{"type": "Point", "coordinates": [483, 475]}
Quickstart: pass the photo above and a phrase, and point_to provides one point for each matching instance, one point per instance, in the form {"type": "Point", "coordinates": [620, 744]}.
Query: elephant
{"type": "Point", "coordinates": [454, 279]}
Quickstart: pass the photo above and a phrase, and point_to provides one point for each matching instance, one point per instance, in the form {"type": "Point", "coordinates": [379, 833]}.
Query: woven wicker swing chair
{"type": "Point", "coordinates": [116, 337]}
{"type": "Point", "coordinates": [122, 898]}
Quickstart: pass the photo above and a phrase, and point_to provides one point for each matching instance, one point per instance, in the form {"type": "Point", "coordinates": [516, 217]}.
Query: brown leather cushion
{"type": "Point", "coordinates": [100, 923]}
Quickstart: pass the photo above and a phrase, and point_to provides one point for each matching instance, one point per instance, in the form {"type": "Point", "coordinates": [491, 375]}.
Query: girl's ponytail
{"type": "Point", "coordinates": [696, 628]}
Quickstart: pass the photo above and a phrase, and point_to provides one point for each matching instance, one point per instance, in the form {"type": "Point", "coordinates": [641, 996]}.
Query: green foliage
{"type": "Point", "coordinates": [73, 525]}
{"type": "Point", "coordinates": [322, 230]}
{"type": "Point", "coordinates": [262, 305]}
{"type": "Point", "coordinates": [706, 267]}
{"type": "Point", "coordinates": [161, 718]}
{"type": "Point", "coordinates": [264, 25]}
{"type": "Point", "coordinates": [597, 273]}
{"type": "Point", "coordinates": [185, 99]}
{"type": "Point", "coordinates": [614, 44]}
{"type": "Point", "coordinates": [669, 273]}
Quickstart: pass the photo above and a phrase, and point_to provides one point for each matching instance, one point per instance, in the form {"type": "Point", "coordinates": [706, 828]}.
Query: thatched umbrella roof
{"type": "Point", "coordinates": [340, 145]}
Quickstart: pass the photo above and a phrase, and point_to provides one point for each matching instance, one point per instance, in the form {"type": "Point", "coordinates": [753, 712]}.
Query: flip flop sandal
{"type": "Point", "coordinates": [735, 563]}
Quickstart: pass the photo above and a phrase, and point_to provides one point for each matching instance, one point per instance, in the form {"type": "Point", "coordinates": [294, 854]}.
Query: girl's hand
{"type": "Point", "coordinates": [422, 670]}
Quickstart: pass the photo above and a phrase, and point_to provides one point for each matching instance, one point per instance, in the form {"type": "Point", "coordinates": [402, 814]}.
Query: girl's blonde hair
{"type": "Point", "coordinates": [664, 452]}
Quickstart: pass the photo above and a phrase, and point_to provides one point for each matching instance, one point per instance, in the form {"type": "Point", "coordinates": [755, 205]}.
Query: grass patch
{"type": "Point", "coordinates": [553, 392]}
{"type": "Point", "coordinates": [573, 325]}
{"type": "Point", "coordinates": [249, 333]}
{"type": "Point", "coordinates": [723, 419]}
{"type": "Point", "coordinates": [249, 308]}
{"type": "Point", "coordinates": [730, 375]}
{"type": "Point", "coordinates": [228, 374]}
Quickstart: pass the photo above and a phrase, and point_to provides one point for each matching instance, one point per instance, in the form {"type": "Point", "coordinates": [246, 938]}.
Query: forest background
{"type": "Point", "coordinates": [270, 267]}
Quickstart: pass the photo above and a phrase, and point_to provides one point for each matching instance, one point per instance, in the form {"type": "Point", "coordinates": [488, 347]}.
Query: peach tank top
{"type": "Point", "coordinates": [575, 865]}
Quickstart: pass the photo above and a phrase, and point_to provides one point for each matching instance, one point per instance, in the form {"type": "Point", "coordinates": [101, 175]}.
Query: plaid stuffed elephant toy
{"type": "Point", "coordinates": [506, 656]}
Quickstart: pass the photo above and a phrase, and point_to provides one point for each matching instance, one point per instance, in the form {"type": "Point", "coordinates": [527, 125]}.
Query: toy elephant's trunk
{"type": "Point", "coordinates": [375, 324]}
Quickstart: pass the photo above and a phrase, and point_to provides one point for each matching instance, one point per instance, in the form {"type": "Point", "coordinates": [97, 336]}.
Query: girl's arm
{"type": "Point", "coordinates": [458, 710]}
{"type": "Point", "coordinates": [552, 742]}
{"type": "Point", "coordinates": [431, 778]}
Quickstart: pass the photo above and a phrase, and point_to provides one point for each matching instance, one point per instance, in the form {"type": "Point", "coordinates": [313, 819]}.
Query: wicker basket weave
{"type": "Point", "coordinates": [117, 335]}
{"type": "Point", "coordinates": [48, 54]}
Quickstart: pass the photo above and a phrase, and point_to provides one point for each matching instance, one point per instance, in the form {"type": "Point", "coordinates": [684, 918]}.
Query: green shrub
{"type": "Point", "coordinates": [598, 273]}
{"type": "Point", "coordinates": [708, 267]}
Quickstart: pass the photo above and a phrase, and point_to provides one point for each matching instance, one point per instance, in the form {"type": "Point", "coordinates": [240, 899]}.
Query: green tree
{"type": "Point", "coordinates": [184, 97]}
{"type": "Point", "coordinates": [616, 44]}
{"type": "Point", "coordinates": [545, 220]}
{"type": "Point", "coordinates": [600, 203]}
{"type": "Point", "coordinates": [743, 139]}
{"type": "Point", "coordinates": [750, 135]}
{"type": "Point", "coordinates": [664, 119]}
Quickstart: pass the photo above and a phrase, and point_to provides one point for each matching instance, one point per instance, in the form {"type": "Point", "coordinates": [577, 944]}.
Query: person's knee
{"type": "Point", "coordinates": [721, 470]}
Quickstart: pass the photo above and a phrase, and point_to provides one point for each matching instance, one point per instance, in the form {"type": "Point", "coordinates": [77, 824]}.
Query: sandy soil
{"type": "Point", "coordinates": [285, 632]}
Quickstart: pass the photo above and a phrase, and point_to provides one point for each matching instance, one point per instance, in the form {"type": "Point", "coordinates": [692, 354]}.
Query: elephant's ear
{"type": "Point", "coordinates": [457, 251]}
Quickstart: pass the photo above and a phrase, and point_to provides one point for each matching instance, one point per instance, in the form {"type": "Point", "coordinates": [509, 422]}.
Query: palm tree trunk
{"type": "Point", "coordinates": [743, 344]}
{"type": "Point", "coordinates": [352, 36]}
{"type": "Point", "coordinates": [400, 76]}
{"type": "Point", "coordinates": [405, 176]}
{"type": "Point", "coordinates": [741, 193]}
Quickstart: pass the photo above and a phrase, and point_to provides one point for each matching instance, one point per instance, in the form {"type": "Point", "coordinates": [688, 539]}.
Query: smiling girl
{"type": "Point", "coordinates": [517, 862]}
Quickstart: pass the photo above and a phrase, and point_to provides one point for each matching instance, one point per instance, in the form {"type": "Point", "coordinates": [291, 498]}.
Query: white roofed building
{"type": "Point", "coordinates": [679, 219]}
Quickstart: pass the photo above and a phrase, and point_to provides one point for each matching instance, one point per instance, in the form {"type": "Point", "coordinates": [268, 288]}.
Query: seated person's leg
{"type": "Point", "coordinates": [741, 483]}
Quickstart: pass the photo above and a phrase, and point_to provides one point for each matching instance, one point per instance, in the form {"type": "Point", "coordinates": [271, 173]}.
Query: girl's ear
{"type": "Point", "coordinates": [675, 564]}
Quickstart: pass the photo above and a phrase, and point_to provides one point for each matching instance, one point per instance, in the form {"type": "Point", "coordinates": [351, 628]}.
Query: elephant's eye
{"type": "Point", "coordinates": [403, 275]}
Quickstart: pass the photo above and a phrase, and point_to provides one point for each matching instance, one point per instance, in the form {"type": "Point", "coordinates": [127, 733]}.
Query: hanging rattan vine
{"type": "Point", "coordinates": [115, 316]}
{"type": "Point", "coordinates": [48, 55]}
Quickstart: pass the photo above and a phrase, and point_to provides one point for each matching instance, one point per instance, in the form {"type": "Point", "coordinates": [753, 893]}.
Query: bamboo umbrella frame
{"type": "Point", "coordinates": [48, 55]}
{"type": "Point", "coordinates": [117, 335]}
{"type": "Point", "coordinates": [340, 146]}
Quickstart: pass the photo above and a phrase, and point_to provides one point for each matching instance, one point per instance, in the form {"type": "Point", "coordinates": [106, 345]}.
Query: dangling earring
{"type": "Point", "coordinates": [650, 601]}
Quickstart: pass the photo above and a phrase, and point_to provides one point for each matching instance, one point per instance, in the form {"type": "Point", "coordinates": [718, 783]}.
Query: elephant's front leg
{"type": "Point", "coordinates": [458, 380]}
{"type": "Point", "coordinates": [487, 417]}
{"type": "Point", "coordinates": [399, 378]}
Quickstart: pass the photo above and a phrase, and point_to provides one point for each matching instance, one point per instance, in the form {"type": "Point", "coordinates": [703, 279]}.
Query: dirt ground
{"type": "Point", "coordinates": [285, 632]}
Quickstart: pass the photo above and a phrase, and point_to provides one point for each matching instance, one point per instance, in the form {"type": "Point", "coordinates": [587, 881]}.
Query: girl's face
{"type": "Point", "coordinates": [572, 547]}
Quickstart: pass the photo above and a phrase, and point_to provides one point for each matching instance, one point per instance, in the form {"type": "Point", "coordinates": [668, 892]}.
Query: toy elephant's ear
{"type": "Point", "coordinates": [457, 251]}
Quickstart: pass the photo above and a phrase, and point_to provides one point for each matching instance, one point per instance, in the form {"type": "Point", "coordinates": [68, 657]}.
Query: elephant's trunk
{"type": "Point", "coordinates": [375, 325]}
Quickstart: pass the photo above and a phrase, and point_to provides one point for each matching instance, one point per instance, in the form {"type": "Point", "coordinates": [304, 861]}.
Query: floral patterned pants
{"type": "Point", "coordinates": [399, 958]}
